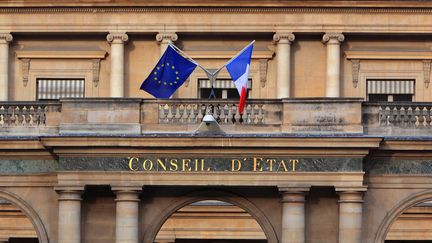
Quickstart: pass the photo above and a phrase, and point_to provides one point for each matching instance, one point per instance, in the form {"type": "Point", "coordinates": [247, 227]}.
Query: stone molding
{"type": "Point", "coordinates": [5, 38]}
{"type": "Point", "coordinates": [293, 194]}
{"type": "Point", "coordinates": [283, 38]}
{"type": "Point", "coordinates": [110, 9]}
{"type": "Point", "coordinates": [117, 37]}
{"type": "Point", "coordinates": [355, 67]}
{"type": "Point", "coordinates": [166, 37]}
{"type": "Point", "coordinates": [333, 38]}
{"type": "Point", "coordinates": [350, 197]}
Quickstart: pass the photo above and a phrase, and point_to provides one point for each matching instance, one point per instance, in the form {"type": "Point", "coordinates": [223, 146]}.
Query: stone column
{"type": "Point", "coordinates": [283, 60]}
{"type": "Point", "coordinates": [117, 41]}
{"type": "Point", "coordinates": [333, 40]}
{"type": "Point", "coordinates": [5, 39]}
{"type": "Point", "coordinates": [127, 205]}
{"type": "Point", "coordinates": [69, 217]}
{"type": "Point", "coordinates": [350, 216]}
{"type": "Point", "coordinates": [164, 38]}
{"type": "Point", "coordinates": [293, 214]}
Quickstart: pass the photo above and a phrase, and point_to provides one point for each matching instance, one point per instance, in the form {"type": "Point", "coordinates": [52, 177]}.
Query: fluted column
{"type": "Point", "coordinates": [350, 216]}
{"type": "Point", "coordinates": [117, 41]}
{"type": "Point", "coordinates": [5, 39]}
{"type": "Point", "coordinates": [127, 209]}
{"type": "Point", "coordinates": [333, 40]}
{"type": "Point", "coordinates": [69, 217]}
{"type": "Point", "coordinates": [283, 59]}
{"type": "Point", "coordinates": [293, 214]}
{"type": "Point", "coordinates": [164, 38]}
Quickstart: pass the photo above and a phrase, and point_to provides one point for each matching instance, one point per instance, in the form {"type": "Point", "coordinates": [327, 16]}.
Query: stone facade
{"type": "Point", "coordinates": [315, 157]}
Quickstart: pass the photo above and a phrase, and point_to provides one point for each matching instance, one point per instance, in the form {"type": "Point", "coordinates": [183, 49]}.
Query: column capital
{"type": "Point", "coordinates": [333, 38]}
{"type": "Point", "coordinates": [164, 37]}
{"type": "Point", "coordinates": [127, 193]}
{"type": "Point", "coordinates": [283, 38]}
{"type": "Point", "coordinates": [69, 193]}
{"type": "Point", "coordinates": [117, 37]}
{"type": "Point", "coordinates": [293, 194]}
{"type": "Point", "coordinates": [350, 196]}
{"type": "Point", "coordinates": [5, 38]}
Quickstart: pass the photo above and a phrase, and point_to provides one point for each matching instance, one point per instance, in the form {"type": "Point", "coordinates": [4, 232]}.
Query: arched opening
{"type": "Point", "coordinates": [211, 221]}
{"type": "Point", "coordinates": [414, 225]}
{"type": "Point", "coordinates": [15, 226]}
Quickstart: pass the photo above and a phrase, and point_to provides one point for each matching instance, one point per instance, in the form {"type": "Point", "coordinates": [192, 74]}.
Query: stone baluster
{"type": "Point", "coordinates": [333, 40]}
{"type": "Point", "coordinates": [117, 41]}
{"type": "Point", "coordinates": [5, 39]}
{"type": "Point", "coordinates": [283, 61]}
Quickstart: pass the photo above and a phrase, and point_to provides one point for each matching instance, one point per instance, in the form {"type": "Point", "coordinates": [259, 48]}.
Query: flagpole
{"type": "Point", "coordinates": [240, 52]}
{"type": "Point", "coordinates": [195, 62]}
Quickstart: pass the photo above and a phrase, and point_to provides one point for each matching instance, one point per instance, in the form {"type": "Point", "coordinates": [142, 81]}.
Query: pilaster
{"type": "Point", "coordinates": [283, 59]}
{"type": "Point", "coordinates": [5, 39]}
{"type": "Point", "coordinates": [165, 38]}
{"type": "Point", "coordinates": [117, 41]}
{"type": "Point", "coordinates": [333, 41]}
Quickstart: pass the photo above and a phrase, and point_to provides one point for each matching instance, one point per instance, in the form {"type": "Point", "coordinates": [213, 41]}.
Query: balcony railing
{"type": "Point", "coordinates": [287, 116]}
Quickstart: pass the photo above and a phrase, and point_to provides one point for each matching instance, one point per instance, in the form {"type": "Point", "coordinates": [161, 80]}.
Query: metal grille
{"type": "Point", "coordinates": [60, 88]}
{"type": "Point", "coordinates": [221, 84]}
{"type": "Point", "coordinates": [390, 86]}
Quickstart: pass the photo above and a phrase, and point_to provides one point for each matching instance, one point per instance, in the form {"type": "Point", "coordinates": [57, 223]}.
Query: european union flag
{"type": "Point", "coordinates": [169, 74]}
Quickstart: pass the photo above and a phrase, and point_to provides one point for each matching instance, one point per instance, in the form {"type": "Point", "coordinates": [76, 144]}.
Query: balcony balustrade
{"type": "Point", "coordinates": [326, 116]}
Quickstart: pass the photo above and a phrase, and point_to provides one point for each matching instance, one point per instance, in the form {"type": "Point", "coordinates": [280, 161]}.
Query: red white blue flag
{"type": "Point", "coordinates": [238, 68]}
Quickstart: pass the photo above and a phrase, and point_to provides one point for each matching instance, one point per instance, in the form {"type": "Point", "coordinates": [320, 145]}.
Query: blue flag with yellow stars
{"type": "Point", "coordinates": [169, 74]}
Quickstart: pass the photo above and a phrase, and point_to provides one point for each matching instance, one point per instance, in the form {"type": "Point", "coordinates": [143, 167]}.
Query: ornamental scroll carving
{"type": "Point", "coordinates": [333, 38]}
{"type": "Point", "coordinates": [166, 37]}
{"type": "Point", "coordinates": [25, 70]}
{"type": "Point", "coordinates": [95, 69]}
{"type": "Point", "coordinates": [426, 72]}
{"type": "Point", "coordinates": [117, 38]}
{"type": "Point", "coordinates": [355, 66]}
{"type": "Point", "coordinates": [263, 72]}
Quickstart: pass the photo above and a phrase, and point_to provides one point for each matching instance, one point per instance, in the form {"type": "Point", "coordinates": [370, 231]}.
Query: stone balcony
{"type": "Point", "coordinates": [319, 116]}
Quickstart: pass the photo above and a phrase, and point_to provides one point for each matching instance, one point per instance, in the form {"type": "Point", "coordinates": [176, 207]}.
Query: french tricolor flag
{"type": "Point", "coordinates": [238, 68]}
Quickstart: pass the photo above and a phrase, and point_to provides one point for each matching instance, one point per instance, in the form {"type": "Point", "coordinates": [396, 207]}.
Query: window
{"type": "Point", "coordinates": [223, 89]}
{"type": "Point", "coordinates": [59, 88]}
{"type": "Point", "coordinates": [390, 90]}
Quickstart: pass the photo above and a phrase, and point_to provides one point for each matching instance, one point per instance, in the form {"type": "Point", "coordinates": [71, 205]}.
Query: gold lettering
{"type": "Point", "coordinates": [132, 162]}
{"type": "Point", "coordinates": [147, 165]}
{"type": "Point", "coordinates": [293, 163]}
{"type": "Point", "coordinates": [196, 164]}
{"type": "Point", "coordinates": [161, 164]}
{"type": "Point", "coordinates": [235, 162]}
{"type": "Point", "coordinates": [202, 164]}
{"type": "Point", "coordinates": [173, 163]}
{"type": "Point", "coordinates": [270, 162]}
{"type": "Point", "coordinates": [186, 165]}
{"type": "Point", "coordinates": [257, 164]}
{"type": "Point", "coordinates": [282, 162]}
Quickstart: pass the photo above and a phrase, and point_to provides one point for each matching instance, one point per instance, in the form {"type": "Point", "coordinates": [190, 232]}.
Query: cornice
{"type": "Point", "coordinates": [127, 9]}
